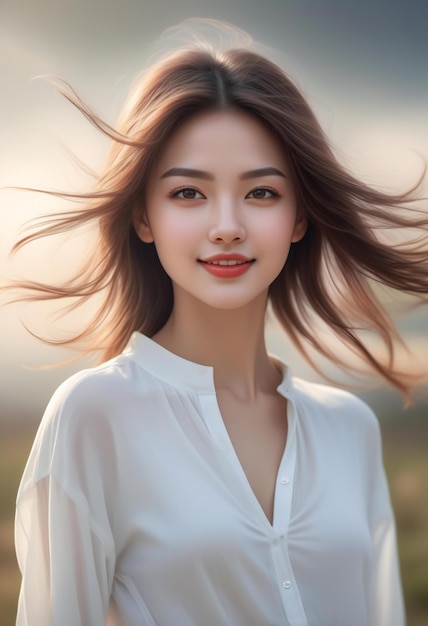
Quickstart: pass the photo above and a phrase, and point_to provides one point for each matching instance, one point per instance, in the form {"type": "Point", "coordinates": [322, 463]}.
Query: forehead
{"type": "Point", "coordinates": [228, 138]}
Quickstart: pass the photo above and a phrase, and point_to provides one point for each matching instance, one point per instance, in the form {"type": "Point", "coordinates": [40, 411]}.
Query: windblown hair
{"type": "Point", "coordinates": [329, 275]}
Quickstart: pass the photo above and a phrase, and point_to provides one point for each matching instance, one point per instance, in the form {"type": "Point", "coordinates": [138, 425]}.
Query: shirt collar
{"type": "Point", "coordinates": [179, 372]}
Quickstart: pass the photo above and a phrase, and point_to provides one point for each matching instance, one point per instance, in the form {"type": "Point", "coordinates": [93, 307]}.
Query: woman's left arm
{"type": "Point", "coordinates": [386, 596]}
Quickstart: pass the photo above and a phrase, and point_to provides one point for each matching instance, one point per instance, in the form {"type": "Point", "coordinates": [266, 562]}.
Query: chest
{"type": "Point", "coordinates": [184, 496]}
{"type": "Point", "coordinates": [184, 514]}
{"type": "Point", "coordinates": [258, 433]}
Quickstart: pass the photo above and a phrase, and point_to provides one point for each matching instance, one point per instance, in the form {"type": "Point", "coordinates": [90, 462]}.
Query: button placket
{"type": "Point", "coordinates": [284, 485]}
{"type": "Point", "coordinates": [292, 602]}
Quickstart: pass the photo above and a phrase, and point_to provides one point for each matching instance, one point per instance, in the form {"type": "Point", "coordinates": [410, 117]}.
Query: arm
{"type": "Point", "coordinates": [64, 542]}
{"type": "Point", "coordinates": [386, 601]}
{"type": "Point", "coordinates": [67, 566]}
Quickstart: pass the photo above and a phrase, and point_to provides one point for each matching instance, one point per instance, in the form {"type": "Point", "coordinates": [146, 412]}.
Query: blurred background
{"type": "Point", "coordinates": [363, 67]}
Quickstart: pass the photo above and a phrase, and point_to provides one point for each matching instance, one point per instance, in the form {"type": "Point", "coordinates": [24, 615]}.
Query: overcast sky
{"type": "Point", "coordinates": [363, 66]}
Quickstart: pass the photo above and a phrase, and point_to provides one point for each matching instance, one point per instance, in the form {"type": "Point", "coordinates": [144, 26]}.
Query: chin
{"type": "Point", "coordinates": [233, 303]}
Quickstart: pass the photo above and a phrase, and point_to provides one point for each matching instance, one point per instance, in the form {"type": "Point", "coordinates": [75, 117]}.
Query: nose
{"type": "Point", "coordinates": [227, 226]}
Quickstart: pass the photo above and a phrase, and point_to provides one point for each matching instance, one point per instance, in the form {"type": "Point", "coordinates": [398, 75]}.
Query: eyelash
{"type": "Point", "coordinates": [176, 192]}
{"type": "Point", "coordinates": [273, 193]}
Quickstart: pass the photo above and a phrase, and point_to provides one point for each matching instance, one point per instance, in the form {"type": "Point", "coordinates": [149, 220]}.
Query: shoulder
{"type": "Point", "coordinates": [87, 413]}
{"type": "Point", "coordinates": [326, 397]}
{"type": "Point", "coordinates": [93, 405]}
{"type": "Point", "coordinates": [100, 389]}
{"type": "Point", "coordinates": [324, 402]}
{"type": "Point", "coordinates": [341, 426]}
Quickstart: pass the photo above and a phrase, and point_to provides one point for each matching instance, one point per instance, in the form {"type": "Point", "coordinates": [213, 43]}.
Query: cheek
{"type": "Point", "coordinates": [172, 226]}
{"type": "Point", "coordinates": [278, 247]}
{"type": "Point", "coordinates": [177, 239]}
{"type": "Point", "coordinates": [185, 228]}
{"type": "Point", "coordinates": [277, 231]}
{"type": "Point", "coordinates": [179, 243]}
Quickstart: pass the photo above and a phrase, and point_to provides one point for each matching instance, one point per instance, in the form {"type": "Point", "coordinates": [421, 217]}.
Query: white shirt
{"type": "Point", "coordinates": [134, 508]}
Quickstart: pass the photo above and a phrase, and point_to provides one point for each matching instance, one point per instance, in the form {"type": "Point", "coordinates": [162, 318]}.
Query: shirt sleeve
{"type": "Point", "coordinates": [64, 545]}
{"type": "Point", "coordinates": [64, 563]}
{"type": "Point", "coordinates": [386, 601]}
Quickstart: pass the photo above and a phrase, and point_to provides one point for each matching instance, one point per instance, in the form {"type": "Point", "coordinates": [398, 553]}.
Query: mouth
{"type": "Point", "coordinates": [226, 262]}
{"type": "Point", "coordinates": [227, 265]}
{"type": "Point", "coordinates": [227, 259]}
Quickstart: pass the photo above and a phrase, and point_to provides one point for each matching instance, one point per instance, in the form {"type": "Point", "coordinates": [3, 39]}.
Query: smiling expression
{"type": "Point", "coordinates": [221, 209]}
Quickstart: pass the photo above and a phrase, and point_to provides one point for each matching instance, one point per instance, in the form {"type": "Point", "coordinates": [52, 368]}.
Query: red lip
{"type": "Point", "coordinates": [226, 257]}
{"type": "Point", "coordinates": [226, 271]}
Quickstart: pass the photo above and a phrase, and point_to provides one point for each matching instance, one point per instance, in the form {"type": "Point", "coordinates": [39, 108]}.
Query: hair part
{"type": "Point", "coordinates": [329, 274]}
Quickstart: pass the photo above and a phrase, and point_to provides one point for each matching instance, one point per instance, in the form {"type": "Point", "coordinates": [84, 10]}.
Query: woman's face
{"type": "Point", "coordinates": [221, 210]}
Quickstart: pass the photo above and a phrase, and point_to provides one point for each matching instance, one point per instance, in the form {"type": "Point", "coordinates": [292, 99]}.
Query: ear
{"type": "Point", "coordinates": [299, 228]}
{"type": "Point", "coordinates": [142, 228]}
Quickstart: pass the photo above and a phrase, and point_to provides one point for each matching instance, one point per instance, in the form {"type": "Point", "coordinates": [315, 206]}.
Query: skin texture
{"type": "Point", "coordinates": [220, 321]}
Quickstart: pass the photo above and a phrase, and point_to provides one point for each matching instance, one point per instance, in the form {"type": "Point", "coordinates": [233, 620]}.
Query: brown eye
{"type": "Point", "coordinates": [262, 193]}
{"type": "Point", "coordinates": [188, 194]}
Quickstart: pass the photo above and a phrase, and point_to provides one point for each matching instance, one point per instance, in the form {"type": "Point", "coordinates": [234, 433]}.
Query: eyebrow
{"type": "Point", "coordinates": [262, 171]}
{"type": "Point", "coordinates": [192, 173]}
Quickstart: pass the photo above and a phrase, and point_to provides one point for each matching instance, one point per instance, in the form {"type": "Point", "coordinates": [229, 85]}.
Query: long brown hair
{"type": "Point", "coordinates": [329, 274]}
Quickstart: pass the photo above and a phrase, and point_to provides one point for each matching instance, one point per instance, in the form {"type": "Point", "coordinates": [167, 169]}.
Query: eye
{"type": "Point", "coordinates": [262, 193]}
{"type": "Point", "coordinates": [187, 193]}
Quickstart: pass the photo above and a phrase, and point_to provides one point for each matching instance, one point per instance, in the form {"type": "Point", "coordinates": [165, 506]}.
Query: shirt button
{"type": "Point", "coordinates": [286, 584]}
{"type": "Point", "coordinates": [285, 480]}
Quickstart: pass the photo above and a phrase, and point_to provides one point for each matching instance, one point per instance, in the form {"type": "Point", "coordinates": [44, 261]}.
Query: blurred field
{"type": "Point", "coordinates": [406, 460]}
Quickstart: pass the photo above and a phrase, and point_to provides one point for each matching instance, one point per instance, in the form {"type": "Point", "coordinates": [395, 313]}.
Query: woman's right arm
{"type": "Point", "coordinates": [66, 566]}
{"type": "Point", "coordinates": [64, 542]}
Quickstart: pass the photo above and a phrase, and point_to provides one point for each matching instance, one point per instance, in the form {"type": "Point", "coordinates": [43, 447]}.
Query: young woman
{"type": "Point", "coordinates": [189, 480]}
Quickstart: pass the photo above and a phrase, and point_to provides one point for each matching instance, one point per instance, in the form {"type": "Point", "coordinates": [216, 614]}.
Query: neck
{"type": "Point", "coordinates": [231, 341]}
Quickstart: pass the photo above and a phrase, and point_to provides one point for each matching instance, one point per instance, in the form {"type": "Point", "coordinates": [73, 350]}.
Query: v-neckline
{"type": "Point", "coordinates": [285, 473]}
{"type": "Point", "coordinates": [196, 378]}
